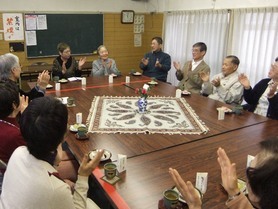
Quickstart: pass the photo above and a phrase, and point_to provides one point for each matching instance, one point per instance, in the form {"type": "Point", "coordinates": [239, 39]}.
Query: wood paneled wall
{"type": "Point", "coordinates": [118, 38]}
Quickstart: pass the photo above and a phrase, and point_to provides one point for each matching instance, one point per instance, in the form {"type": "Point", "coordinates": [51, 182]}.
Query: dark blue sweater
{"type": "Point", "coordinates": [160, 73]}
{"type": "Point", "coordinates": [252, 96]}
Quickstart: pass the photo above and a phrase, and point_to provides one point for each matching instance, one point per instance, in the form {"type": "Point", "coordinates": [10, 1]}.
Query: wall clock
{"type": "Point", "coordinates": [127, 16]}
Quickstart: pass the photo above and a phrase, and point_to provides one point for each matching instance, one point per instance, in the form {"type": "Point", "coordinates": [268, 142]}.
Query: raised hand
{"type": "Point", "coordinates": [228, 173]}
{"type": "Point", "coordinates": [216, 82]}
{"type": "Point", "coordinates": [87, 165]}
{"type": "Point", "coordinates": [64, 68]}
{"type": "Point", "coordinates": [242, 78]}
{"type": "Point", "coordinates": [187, 190]}
{"type": "Point", "coordinates": [23, 103]}
{"type": "Point", "coordinates": [177, 65]}
{"type": "Point", "coordinates": [43, 79]}
{"type": "Point", "coordinates": [157, 63]}
{"type": "Point", "coordinates": [109, 64]}
{"type": "Point", "coordinates": [81, 62]}
{"type": "Point", "coordinates": [145, 61]}
{"type": "Point", "coordinates": [204, 76]}
{"type": "Point", "coordinates": [272, 89]}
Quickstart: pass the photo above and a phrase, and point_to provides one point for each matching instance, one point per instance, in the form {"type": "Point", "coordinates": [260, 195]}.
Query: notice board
{"type": "Point", "coordinates": [82, 32]}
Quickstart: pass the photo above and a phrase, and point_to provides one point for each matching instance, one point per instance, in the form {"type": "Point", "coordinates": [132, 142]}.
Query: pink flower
{"type": "Point", "coordinates": [144, 91]}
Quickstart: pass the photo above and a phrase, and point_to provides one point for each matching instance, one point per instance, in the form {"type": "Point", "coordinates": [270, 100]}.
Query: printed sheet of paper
{"type": "Point", "coordinates": [30, 22]}
{"type": "Point", "coordinates": [13, 26]}
{"type": "Point", "coordinates": [42, 22]}
{"type": "Point", "coordinates": [31, 38]}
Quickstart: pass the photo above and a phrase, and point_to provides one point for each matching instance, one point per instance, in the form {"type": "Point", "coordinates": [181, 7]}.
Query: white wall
{"type": "Point", "coordinates": [173, 5]}
{"type": "Point", "coordinates": [118, 5]}
{"type": "Point", "coordinates": [73, 5]}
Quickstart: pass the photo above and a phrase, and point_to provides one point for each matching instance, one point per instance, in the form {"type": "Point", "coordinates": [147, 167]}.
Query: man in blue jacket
{"type": "Point", "coordinates": [156, 63]}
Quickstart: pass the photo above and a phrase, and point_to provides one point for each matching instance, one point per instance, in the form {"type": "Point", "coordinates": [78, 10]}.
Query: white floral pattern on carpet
{"type": "Point", "coordinates": [164, 115]}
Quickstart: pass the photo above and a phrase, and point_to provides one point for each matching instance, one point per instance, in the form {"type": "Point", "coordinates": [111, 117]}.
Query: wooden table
{"type": "Point", "coordinates": [147, 176]}
{"type": "Point", "coordinates": [32, 71]}
{"type": "Point", "coordinates": [150, 156]}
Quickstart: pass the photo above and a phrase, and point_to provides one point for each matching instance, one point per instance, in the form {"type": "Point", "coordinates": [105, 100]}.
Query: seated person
{"type": "Point", "coordinates": [263, 98]}
{"type": "Point", "coordinates": [262, 179]}
{"type": "Point", "coordinates": [10, 105]}
{"type": "Point", "coordinates": [65, 66]}
{"type": "Point", "coordinates": [156, 63]}
{"type": "Point", "coordinates": [189, 75]}
{"type": "Point", "coordinates": [10, 137]}
{"type": "Point", "coordinates": [31, 179]}
{"type": "Point", "coordinates": [224, 86]}
{"type": "Point", "coordinates": [104, 65]}
{"type": "Point", "coordinates": [10, 69]}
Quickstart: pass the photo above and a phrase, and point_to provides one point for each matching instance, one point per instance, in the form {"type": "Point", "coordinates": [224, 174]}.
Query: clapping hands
{"type": "Point", "coordinates": [43, 79]}
{"type": "Point", "coordinates": [272, 89]}
{"type": "Point", "coordinates": [81, 62]}
{"type": "Point", "coordinates": [187, 190]}
{"type": "Point", "coordinates": [157, 63]}
{"type": "Point", "coordinates": [23, 103]}
{"type": "Point", "coordinates": [145, 61]}
{"type": "Point", "coordinates": [216, 82]}
{"type": "Point", "coordinates": [242, 78]}
{"type": "Point", "coordinates": [228, 173]}
{"type": "Point", "coordinates": [204, 76]}
{"type": "Point", "coordinates": [177, 65]}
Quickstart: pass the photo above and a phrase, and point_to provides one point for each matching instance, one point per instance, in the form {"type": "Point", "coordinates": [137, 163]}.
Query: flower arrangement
{"type": "Point", "coordinates": [143, 92]}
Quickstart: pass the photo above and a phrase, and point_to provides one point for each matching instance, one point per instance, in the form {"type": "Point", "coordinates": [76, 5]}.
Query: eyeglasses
{"type": "Point", "coordinates": [67, 51]}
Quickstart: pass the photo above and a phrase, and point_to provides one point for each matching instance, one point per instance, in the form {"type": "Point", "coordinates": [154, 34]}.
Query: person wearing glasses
{"type": "Point", "coordinates": [65, 66]}
{"type": "Point", "coordinates": [263, 98]}
{"type": "Point", "coordinates": [262, 180]}
{"type": "Point", "coordinates": [189, 75]}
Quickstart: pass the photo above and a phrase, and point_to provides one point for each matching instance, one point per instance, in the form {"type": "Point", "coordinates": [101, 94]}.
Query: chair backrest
{"type": "Point", "coordinates": [39, 63]}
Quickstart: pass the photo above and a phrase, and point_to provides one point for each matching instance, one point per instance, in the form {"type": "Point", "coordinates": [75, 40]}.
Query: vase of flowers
{"type": "Point", "coordinates": [142, 102]}
{"type": "Point", "coordinates": [142, 105]}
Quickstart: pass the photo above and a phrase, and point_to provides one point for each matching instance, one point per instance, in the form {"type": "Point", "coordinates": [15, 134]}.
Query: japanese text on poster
{"type": "Point", "coordinates": [13, 26]}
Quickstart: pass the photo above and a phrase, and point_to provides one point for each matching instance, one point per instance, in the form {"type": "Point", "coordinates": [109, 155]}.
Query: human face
{"type": "Point", "coordinates": [197, 54]}
{"type": "Point", "coordinates": [16, 72]}
{"type": "Point", "coordinates": [273, 72]}
{"type": "Point", "coordinates": [228, 67]}
{"type": "Point", "coordinates": [66, 53]}
{"type": "Point", "coordinates": [103, 53]}
{"type": "Point", "coordinates": [155, 46]}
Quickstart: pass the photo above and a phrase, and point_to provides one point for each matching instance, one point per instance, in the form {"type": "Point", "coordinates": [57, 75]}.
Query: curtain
{"type": "Point", "coordinates": [185, 28]}
{"type": "Point", "coordinates": [254, 39]}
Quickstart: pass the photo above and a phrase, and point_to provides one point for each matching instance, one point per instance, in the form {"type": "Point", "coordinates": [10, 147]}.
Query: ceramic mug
{"type": "Point", "coordinates": [110, 170]}
{"type": "Point", "coordinates": [170, 198]}
{"type": "Point", "coordinates": [82, 131]}
{"type": "Point", "coordinates": [56, 79]}
{"type": "Point", "coordinates": [70, 101]}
